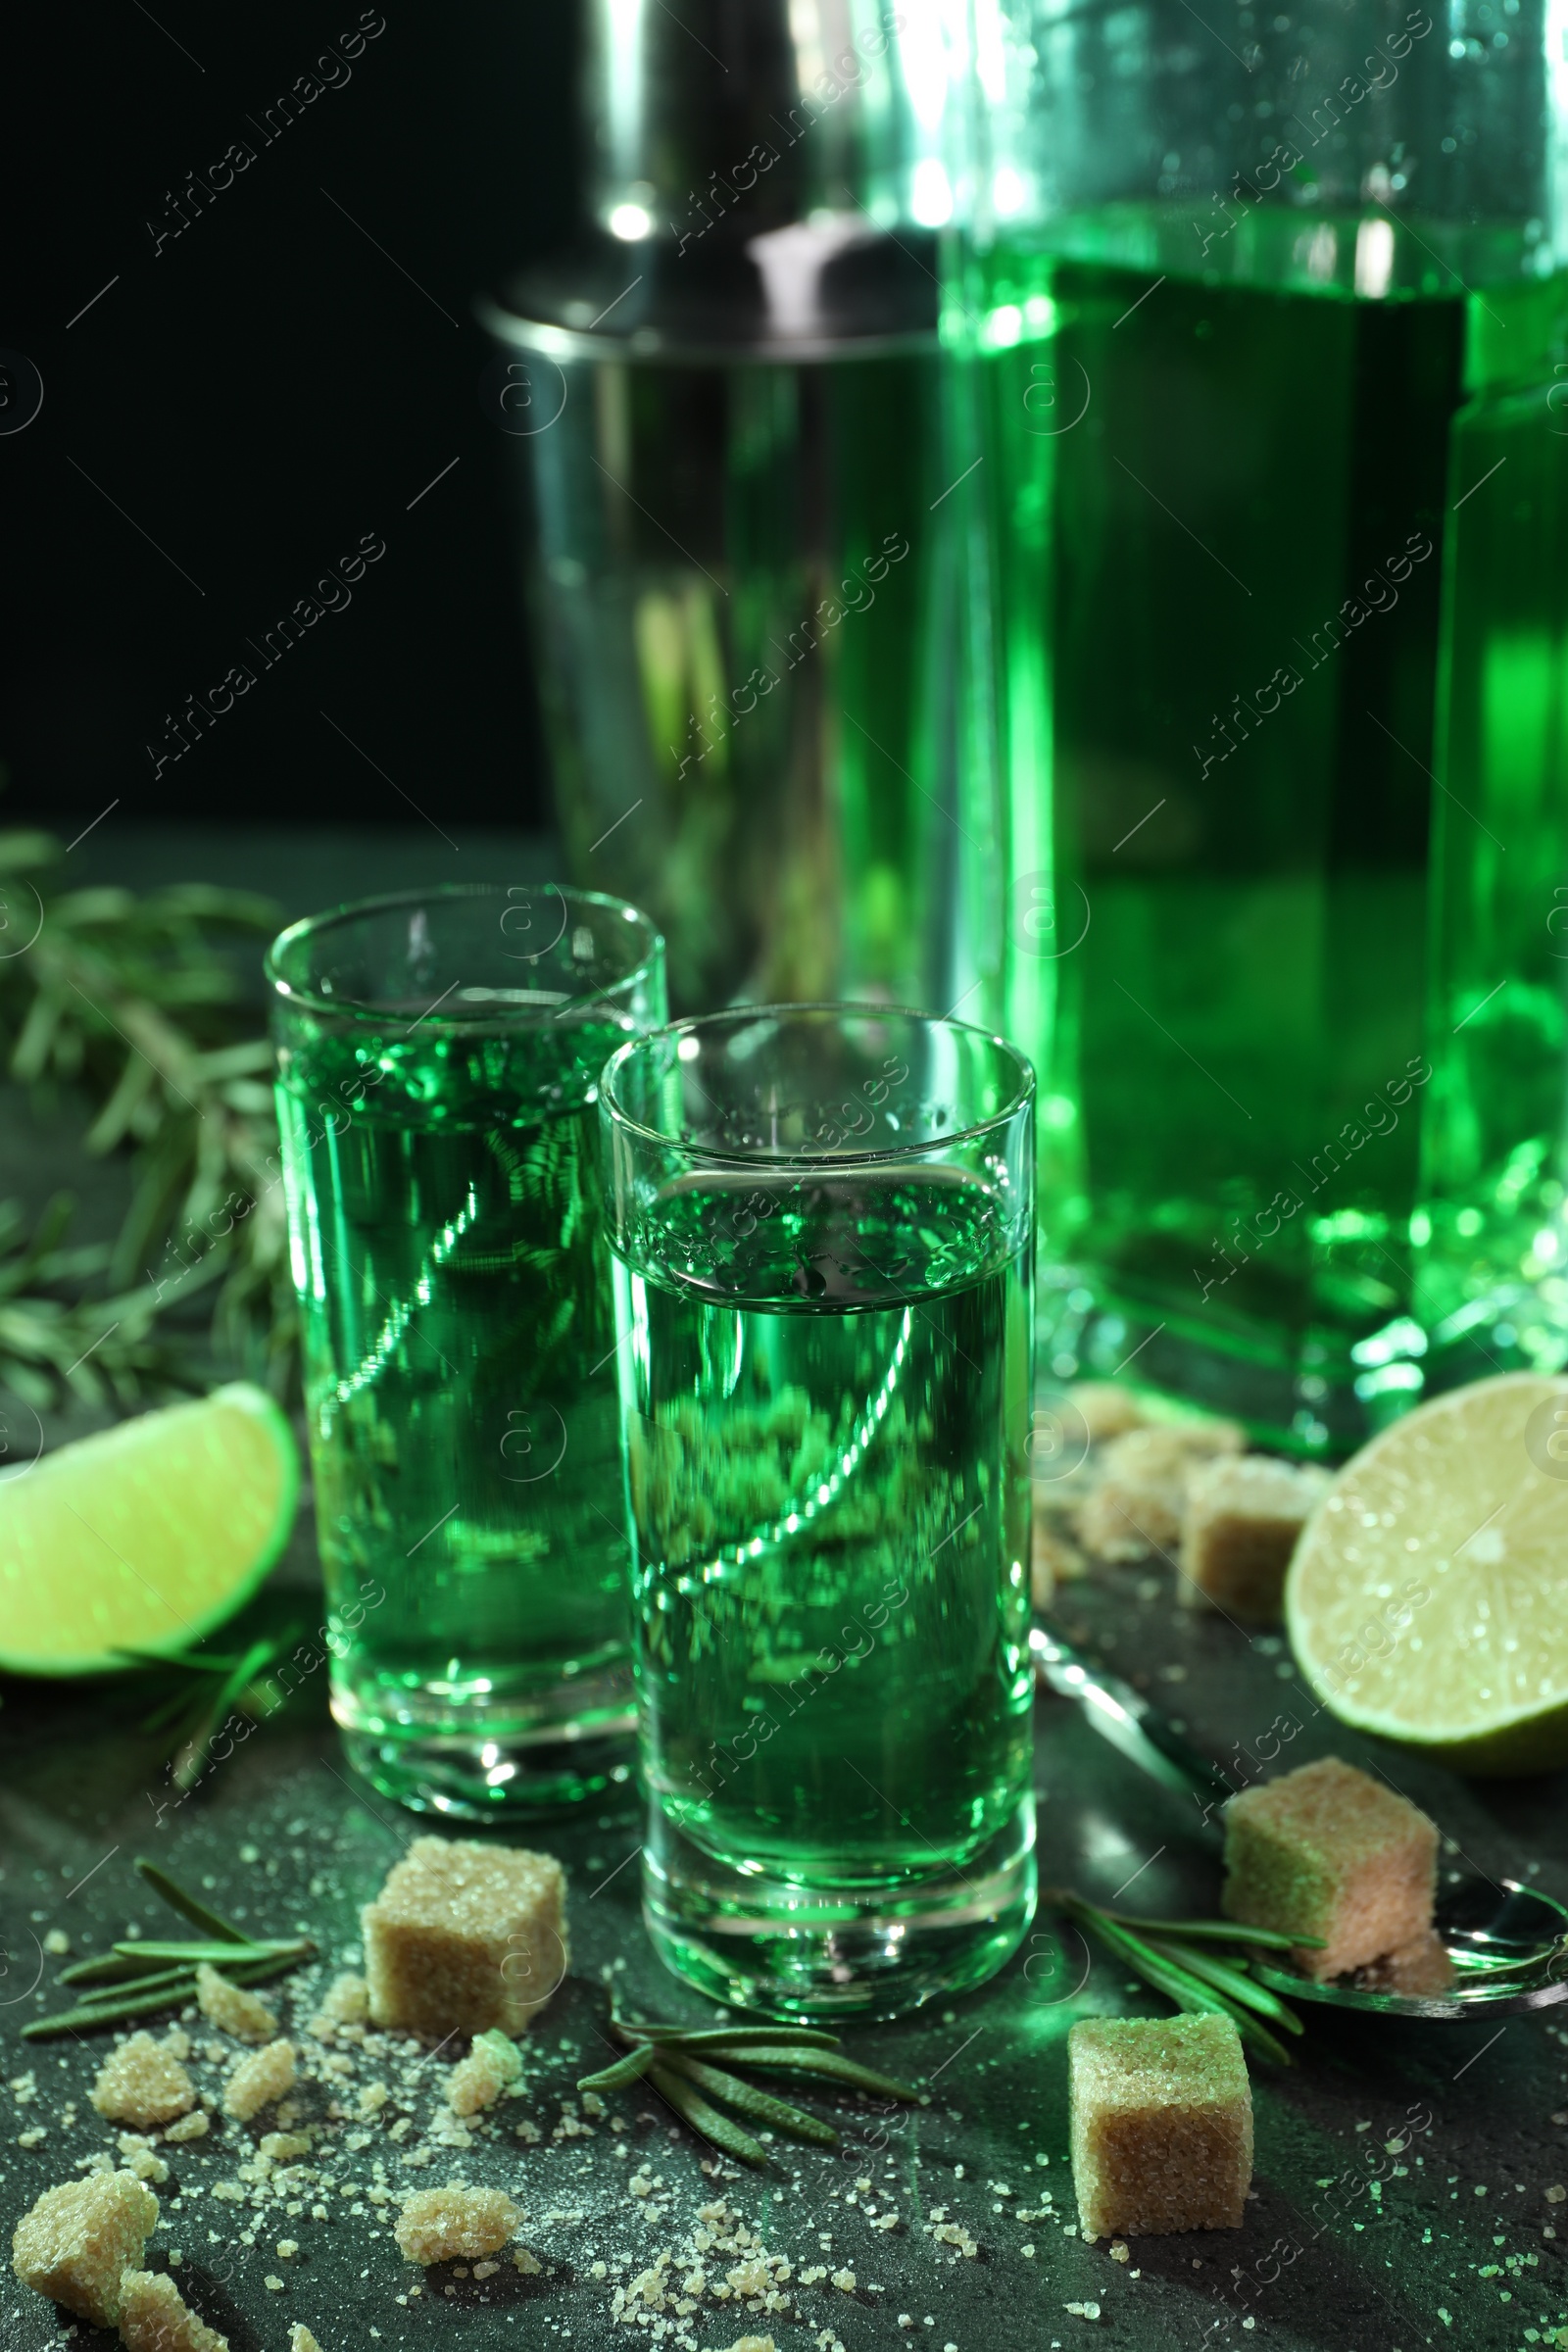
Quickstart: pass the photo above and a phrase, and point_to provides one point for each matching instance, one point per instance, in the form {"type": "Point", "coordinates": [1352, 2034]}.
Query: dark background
{"type": "Point", "coordinates": [257, 395]}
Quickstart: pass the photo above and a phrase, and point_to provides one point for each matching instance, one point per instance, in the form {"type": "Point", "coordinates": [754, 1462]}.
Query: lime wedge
{"type": "Point", "coordinates": [1428, 1598]}
{"type": "Point", "coordinates": [146, 1536]}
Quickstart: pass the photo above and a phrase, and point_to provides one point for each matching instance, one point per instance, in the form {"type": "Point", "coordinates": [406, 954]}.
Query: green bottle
{"type": "Point", "coordinates": [1250, 615]}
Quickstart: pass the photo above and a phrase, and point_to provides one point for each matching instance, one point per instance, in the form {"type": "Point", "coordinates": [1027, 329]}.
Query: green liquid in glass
{"type": "Point", "coordinates": [1220, 599]}
{"type": "Point", "coordinates": [461, 1386]}
{"type": "Point", "coordinates": [827, 1399]}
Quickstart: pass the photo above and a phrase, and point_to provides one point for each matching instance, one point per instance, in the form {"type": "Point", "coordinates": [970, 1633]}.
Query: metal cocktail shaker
{"type": "Point", "coordinates": [742, 588]}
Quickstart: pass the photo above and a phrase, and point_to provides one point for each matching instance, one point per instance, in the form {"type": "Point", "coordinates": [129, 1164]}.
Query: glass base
{"type": "Point", "coordinates": [787, 1950]}
{"type": "Point", "coordinates": [480, 1767]}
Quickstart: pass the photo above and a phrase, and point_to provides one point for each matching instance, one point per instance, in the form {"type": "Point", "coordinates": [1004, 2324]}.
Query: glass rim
{"type": "Point", "coordinates": [735, 1016]}
{"type": "Point", "coordinates": [298, 998]}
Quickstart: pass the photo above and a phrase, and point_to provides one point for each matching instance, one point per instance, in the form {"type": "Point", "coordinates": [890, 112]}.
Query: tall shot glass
{"type": "Point", "coordinates": [821, 1217]}
{"type": "Point", "coordinates": [438, 1061]}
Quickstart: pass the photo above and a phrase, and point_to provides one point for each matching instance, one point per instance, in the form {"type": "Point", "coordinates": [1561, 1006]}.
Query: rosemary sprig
{"type": "Point", "coordinates": [201, 1708]}
{"type": "Point", "coordinates": [677, 2061]}
{"type": "Point", "coordinates": [137, 1976]}
{"type": "Point", "coordinates": [1170, 1956]}
{"type": "Point", "coordinates": [135, 1002]}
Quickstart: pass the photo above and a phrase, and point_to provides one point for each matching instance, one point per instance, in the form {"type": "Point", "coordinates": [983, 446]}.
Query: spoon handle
{"type": "Point", "coordinates": [1124, 1717]}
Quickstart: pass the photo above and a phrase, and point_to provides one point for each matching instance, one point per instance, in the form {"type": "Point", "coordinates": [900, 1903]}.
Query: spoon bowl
{"type": "Point", "coordinates": [1507, 1944]}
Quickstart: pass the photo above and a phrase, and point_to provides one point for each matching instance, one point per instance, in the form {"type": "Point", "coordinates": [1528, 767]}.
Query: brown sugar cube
{"type": "Point", "coordinates": [1107, 1409]}
{"type": "Point", "coordinates": [1242, 1516]}
{"type": "Point", "coordinates": [1161, 2123]}
{"type": "Point", "coordinates": [231, 2008]}
{"type": "Point", "coordinates": [1135, 1504]}
{"type": "Point", "coordinates": [77, 2241]}
{"type": "Point", "coordinates": [259, 2080]}
{"type": "Point", "coordinates": [439, 2223]}
{"type": "Point", "coordinates": [154, 2317]}
{"type": "Point", "coordinates": [463, 1936]}
{"type": "Point", "coordinates": [1419, 1967]}
{"type": "Point", "coordinates": [142, 2084]}
{"type": "Point", "coordinates": [1329, 1852]}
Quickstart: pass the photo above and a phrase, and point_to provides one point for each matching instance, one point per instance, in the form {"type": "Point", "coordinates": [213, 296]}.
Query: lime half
{"type": "Point", "coordinates": [145, 1537]}
{"type": "Point", "coordinates": [1428, 1598]}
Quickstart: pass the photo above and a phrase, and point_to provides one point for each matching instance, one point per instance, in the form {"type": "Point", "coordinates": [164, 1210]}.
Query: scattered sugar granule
{"type": "Point", "coordinates": [348, 2000]}
{"type": "Point", "coordinates": [154, 2317]}
{"type": "Point", "coordinates": [1161, 2123]}
{"type": "Point", "coordinates": [284, 2146]}
{"type": "Point", "coordinates": [272, 2282]}
{"type": "Point", "coordinates": [436, 2224]}
{"type": "Point", "coordinates": [463, 1936]}
{"type": "Point", "coordinates": [137, 2152]}
{"type": "Point", "coordinates": [1329, 1852]}
{"type": "Point", "coordinates": [844, 2281]}
{"type": "Point", "coordinates": [300, 2339]}
{"type": "Point", "coordinates": [231, 2008]}
{"type": "Point", "coordinates": [373, 2097]}
{"type": "Point", "coordinates": [1120, 2251]}
{"type": "Point", "coordinates": [259, 2080]}
{"type": "Point", "coordinates": [57, 1943]}
{"type": "Point", "coordinates": [287, 2249]}
{"type": "Point", "coordinates": [478, 2080]}
{"type": "Point", "coordinates": [77, 2241]}
{"type": "Point", "coordinates": [142, 2084]}
{"type": "Point", "coordinates": [754, 2343]}
{"type": "Point", "coordinates": [485, 2270]}
{"type": "Point", "coordinates": [525, 2262]}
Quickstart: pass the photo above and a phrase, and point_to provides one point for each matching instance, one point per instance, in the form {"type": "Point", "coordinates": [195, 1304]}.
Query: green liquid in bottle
{"type": "Point", "coordinates": [1226, 558]}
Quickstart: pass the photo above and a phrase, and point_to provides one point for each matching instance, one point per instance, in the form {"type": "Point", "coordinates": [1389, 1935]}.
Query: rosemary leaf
{"type": "Point", "coordinates": [256, 1971]}
{"type": "Point", "coordinates": [694, 2109]}
{"type": "Point", "coordinates": [625, 2069]}
{"type": "Point", "coordinates": [215, 1925]}
{"type": "Point", "coordinates": [1166, 1976]}
{"type": "Point", "coordinates": [757, 2106]}
{"type": "Point", "coordinates": [1232, 1982]}
{"type": "Point", "coordinates": [731, 2037]}
{"type": "Point", "coordinates": [101, 2013]}
{"type": "Point", "coordinates": [784, 2059]}
{"type": "Point", "coordinates": [218, 1955]}
{"type": "Point", "coordinates": [192, 1759]}
{"type": "Point", "coordinates": [107, 1968]}
{"type": "Point", "coordinates": [1218, 1931]}
{"type": "Point", "coordinates": [167, 1980]}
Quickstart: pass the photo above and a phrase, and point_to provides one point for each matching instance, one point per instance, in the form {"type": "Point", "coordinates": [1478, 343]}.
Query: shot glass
{"type": "Point", "coordinates": [821, 1219]}
{"type": "Point", "coordinates": [438, 1059]}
